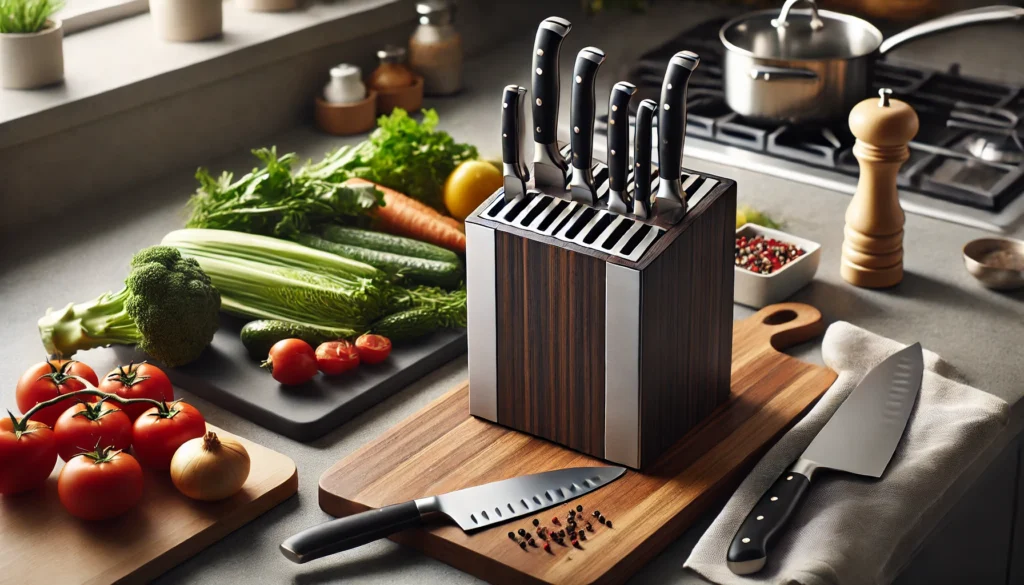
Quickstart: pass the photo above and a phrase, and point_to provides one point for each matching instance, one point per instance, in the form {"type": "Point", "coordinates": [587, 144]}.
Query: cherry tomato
{"type": "Point", "coordinates": [100, 484]}
{"type": "Point", "coordinates": [373, 349]}
{"type": "Point", "coordinates": [50, 379]}
{"type": "Point", "coordinates": [87, 427]}
{"type": "Point", "coordinates": [27, 457]}
{"type": "Point", "coordinates": [158, 433]}
{"type": "Point", "coordinates": [336, 357]}
{"type": "Point", "coordinates": [291, 362]}
{"type": "Point", "coordinates": [138, 381]}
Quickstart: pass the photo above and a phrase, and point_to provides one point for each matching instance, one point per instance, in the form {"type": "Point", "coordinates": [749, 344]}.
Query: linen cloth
{"type": "Point", "coordinates": [852, 530]}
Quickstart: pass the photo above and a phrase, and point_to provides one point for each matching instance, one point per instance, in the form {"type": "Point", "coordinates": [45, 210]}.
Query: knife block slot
{"type": "Point", "coordinates": [600, 332]}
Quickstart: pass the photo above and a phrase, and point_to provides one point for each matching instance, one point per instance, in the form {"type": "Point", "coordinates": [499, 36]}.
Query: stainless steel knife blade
{"type": "Point", "coordinates": [471, 508]}
{"type": "Point", "coordinates": [860, 438]}
{"type": "Point", "coordinates": [549, 166]}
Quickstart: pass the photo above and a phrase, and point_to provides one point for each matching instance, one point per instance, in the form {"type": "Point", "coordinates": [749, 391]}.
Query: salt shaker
{"type": "Point", "coordinates": [435, 48]}
{"type": "Point", "coordinates": [346, 85]}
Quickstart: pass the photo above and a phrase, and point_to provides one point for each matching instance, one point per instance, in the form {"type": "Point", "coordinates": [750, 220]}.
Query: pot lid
{"type": "Point", "coordinates": [805, 34]}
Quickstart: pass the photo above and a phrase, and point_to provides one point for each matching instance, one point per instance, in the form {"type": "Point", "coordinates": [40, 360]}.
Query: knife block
{"type": "Point", "coordinates": [598, 331]}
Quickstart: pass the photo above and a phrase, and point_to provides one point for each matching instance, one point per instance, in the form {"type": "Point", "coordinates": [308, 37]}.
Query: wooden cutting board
{"type": "Point", "coordinates": [441, 448]}
{"type": "Point", "coordinates": [43, 544]}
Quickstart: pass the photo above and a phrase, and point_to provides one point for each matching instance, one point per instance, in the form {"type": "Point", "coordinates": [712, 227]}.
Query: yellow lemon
{"type": "Point", "coordinates": [468, 185]}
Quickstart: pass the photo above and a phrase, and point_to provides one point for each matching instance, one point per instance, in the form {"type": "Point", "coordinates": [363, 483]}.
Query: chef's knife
{"type": "Point", "coordinates": [642, 159]}
{"type": "Point", "coordinates": [471, 508]}
{"type": "Point", "coordinates": [859, 438]}
{"type": "Point", "coordinates": [582, 107]}
{"type": "Point", "coordinates": [618, 146]}
{"type": "Point", "coordinates": [549, 166]}
{"type": "Point", "coordinates": [512, 129]}
{"type": "Point", "coordinates": [670, 202]}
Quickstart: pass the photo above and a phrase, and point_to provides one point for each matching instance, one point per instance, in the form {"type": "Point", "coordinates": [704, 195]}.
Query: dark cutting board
{"type": "Point", "coordinates": [227, 377]}
{"type": "Point", "coordinates": [442, 448]}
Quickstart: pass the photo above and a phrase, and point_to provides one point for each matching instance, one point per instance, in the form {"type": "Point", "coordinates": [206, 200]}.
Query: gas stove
{"type": "Point", "coordinates": [966, 163]}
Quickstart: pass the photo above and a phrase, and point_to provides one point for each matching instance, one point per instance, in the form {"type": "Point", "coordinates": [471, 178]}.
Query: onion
{"type": "Point", "coordinates": [210, 468]}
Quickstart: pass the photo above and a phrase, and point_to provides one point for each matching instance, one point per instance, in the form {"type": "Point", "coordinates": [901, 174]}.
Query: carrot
{"type": "Point", "coordinates": [404, 216]}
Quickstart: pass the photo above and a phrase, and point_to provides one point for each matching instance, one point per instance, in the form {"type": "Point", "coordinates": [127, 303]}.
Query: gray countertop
{"type": "Point", "coordinates": [74, 258]}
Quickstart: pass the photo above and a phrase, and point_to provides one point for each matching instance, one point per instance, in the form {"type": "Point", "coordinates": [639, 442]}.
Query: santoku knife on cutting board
{"type": "Point", "coordinates": [642, 159]}
{"type": "Point", "coordinates": [670, 202]}
{"type": "Point", "coordinates": [618, 146]}
{"type": "Point", "coordinates": [549, 166]}
{"type": "Point", "coordinates": [582, 107]}
{"type": "Point", "coordinates": [512, 128]}
{"type": "Point", "coordinates": [471, 508]}
{"type": "Point", "coordinates": [860, 438]}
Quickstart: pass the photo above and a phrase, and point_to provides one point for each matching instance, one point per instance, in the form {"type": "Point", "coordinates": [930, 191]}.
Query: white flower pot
{"type": "Point", "coordinates": [29, 60]}
{"type": "Point", "coordinates": [268, 5]}
{"type": "Point", "coordinates": [187, 20]}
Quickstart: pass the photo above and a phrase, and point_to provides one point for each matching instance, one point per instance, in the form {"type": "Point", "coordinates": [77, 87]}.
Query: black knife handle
{"type": "Point", "coordinates": [582, 107]}
{"type": "Point", "coordinates": [642, 154]}
{"type": "Point", "coordinates": [618, 134]}
{"type": "Point", "coordinates": [511, 124]}
{"type": "Point", "coordinates": [350, 532]}
{"type": "Point", "coordinates": [749, 550]}
{"type": "Point", "coordinates": [550, 34]}
{"type": "Point", "coordinates": [672, 114]}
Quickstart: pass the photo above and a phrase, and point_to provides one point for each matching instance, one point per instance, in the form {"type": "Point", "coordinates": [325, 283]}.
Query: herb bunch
{"type": "Point", "coordinates": [26, 16]}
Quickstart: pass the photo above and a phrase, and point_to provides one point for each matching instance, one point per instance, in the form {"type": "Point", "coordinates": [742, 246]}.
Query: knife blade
{"type": "Point", "coordinates": [860, 438]}
{"type": "Point", "coordinates": [670, 202]}
{"type": "Point", "coordinates": [513, 126]}
{"type": "Point", "coordinates": [642, 159]}
{"type": "Point", "coordinates": [549, 166]}
{"type": "Point", "coordinates": [471, 508]}
{"type": "Point", "coordinates": [618, 146]}
{"type": "Point", "coordinates": [582, 108]}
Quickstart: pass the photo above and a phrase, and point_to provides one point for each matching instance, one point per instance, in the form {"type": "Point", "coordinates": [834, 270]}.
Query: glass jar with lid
{"type": "Point", "coordinates": [392, 73]}
{"type": "Point", "coordinates": [435, 48]}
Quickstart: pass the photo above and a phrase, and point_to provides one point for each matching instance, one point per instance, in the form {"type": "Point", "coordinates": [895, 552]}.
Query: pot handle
{"type": "Point", "coordinates": [780, 22]}
{"type": "Point", "coordinates": [951, 21]}
{"type": "Point", "coordinates": [766, 73]}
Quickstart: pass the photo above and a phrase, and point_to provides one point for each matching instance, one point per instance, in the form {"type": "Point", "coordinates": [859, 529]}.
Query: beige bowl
{"type": "Point", "coordinates": [978, 260]}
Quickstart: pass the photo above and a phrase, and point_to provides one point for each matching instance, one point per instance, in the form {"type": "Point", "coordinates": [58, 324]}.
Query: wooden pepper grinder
{"type": "Point", "coordinates": [873, 243]}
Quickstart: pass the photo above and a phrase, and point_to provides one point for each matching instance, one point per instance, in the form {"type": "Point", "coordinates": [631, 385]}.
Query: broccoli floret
{"type": "Point", "coordinates": [168, 307]}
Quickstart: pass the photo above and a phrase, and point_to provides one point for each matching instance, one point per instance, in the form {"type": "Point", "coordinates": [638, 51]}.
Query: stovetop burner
{"type": "Point", "coordinates": [968, 151]}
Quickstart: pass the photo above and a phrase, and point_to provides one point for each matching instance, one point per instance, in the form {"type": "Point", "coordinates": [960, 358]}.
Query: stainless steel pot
{"type": "Point", "coordinates": [815, 65]}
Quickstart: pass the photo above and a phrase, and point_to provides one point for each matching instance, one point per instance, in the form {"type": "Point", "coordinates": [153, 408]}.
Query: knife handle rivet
{"type": "Point", "coordinates": [576, 129]}
{"type": "Point", "coordinates": [538, 128]}
{"type": "Point", "coordinates": [613, 152]}
{"type": "Point", "coordinates": [579, 79]}
{"type": "Point", "coordinates": [615, 108]}
{"type": "Point", "coordinates": [504, 105]}
{"type": "Point", "coordinates": [612, 122]}
{"type": "Point", "coordinates": [540, 71]}
{"type": "Point", "coordinates": [666, 106]}
{"type": "Point", "coordinates": [503, 135]}
{"type": "Point", "coordinates": [760, 517]}
{"type": "Point", "coordinates": [775, 498]}
{"type": "Point", "coordinates": [540, 52]}
{"type": "Point", "coordinates": [669, 86]}
{"type": "Point", "coordinates": [745, 540]}
{"type": "Point", "coordinates": [538, 101]}
{"type": "Point", "coordinates": [789, 478]}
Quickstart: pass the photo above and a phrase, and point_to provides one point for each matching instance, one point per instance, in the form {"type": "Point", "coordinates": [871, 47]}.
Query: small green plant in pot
{"type": "Point", "coordinates": [31, 43]}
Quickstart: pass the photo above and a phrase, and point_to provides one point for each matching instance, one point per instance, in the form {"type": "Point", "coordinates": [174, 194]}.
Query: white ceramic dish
{"type": "Point", "coordinates": [759, 290]}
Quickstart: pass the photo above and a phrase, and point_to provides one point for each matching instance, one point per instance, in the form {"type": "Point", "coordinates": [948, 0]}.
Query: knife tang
{"type": "Point", "coordinates": [355, 530]}
{"type": "Point", "coordinates": [749, 550]}
{"type": "Point", "coordinates": [582, 110]}
{"type": "Point", "coordinates": [642, 159]}
{"type": "Point", "coordinates": [670, 203]}
{"type": "Point", "coordinates": [618, 146]}
{"type": "Point", "coordinates": [550, 34]}
{"type": "Point", "coordinates": [512, 128]}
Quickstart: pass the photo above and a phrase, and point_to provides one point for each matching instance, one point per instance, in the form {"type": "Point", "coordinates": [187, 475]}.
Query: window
{"type": "Point", "coordinates": [82, 14]}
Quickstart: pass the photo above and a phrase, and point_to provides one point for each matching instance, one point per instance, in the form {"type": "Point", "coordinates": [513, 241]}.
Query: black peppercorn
{"type": "Point", "coordinates": [597, 513]}
{"type": "Point", "coordinates": [561, 533]}
{"type": "Point", "coordinates": [522, 532]}
{"type": "Point", "coordinates": [512, 535]}
{"type": "Point", "coordinates": [522, 544]}
{"type": "Point", "coordinates": [590, 527]}
{"type": "Point", "coordinates": [601, 520]}
{"type": "Point", "coordinates": [536, 522]}
{"type": "Point", "coordinates": [608, 524]}
{"type": "Point", "coordinates": [579, 507]}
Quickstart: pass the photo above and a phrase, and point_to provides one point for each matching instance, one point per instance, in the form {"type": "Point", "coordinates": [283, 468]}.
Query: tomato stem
{"type": "Point", "coordinates": [89, 390]}
{"type": "Point", "coordinates": [130, 377]}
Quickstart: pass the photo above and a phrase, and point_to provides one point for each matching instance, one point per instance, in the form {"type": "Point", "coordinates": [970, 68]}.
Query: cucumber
{"type": "Point", "coordinates": [259, 336]}
{"type": "Point", "coordinates": [408, 325]}
{"type": "Point", "coordinates": [417, 270]}
{"type": "Point", "coordinates": [386, 243]}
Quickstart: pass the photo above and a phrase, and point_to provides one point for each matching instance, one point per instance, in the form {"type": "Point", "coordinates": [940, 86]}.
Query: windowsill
{"type": "Point", "coordinates": [121, 65]}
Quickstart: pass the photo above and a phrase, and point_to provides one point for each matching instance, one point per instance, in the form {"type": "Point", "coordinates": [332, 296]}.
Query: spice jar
{"type": "Point", "coordinates": [392, 73]}
{"type": "Point", "coordinates": [346, 85]}
{"type": "Point", "coordinates": [435, 48]}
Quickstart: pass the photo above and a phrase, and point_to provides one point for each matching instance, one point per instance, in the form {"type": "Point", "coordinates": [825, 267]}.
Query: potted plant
{"type": "Point", "coordinates": [187, 20]}
{"type": "Point", "coordinates": [31, 43]}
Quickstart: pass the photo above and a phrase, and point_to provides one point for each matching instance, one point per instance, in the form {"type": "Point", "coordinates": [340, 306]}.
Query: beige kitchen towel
{"type": "Point", "coordinates": [852, 530]}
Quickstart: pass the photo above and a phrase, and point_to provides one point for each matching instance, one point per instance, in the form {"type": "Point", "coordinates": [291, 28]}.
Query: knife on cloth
{"type": "Point", "coordinates": [549, 166]}
{"type": "Point", "coordinates": [860, 438]}
{"type": "Point", "coordinates": [513, 126]}
{"type": "Point", "coordinates": [582, 108]}
{"type": "Point", "coordinates": [618, 146]}
{"type": "Point", "coordinates": [471, 508]}
{"type": "Point", "coordinates": [670, 202]}
{"type": "Point", "coordinates": [642, 159]}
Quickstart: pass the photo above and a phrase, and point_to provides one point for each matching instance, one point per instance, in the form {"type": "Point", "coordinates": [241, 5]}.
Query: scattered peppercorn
{"type": "Point", "coordinates": [590, 527]}
{"type": "Point", "coordinates": [522, 532]}
{"type": "Point", "coordinates": [522, 544]}
{"type": "Point", "coordinates": [579, 507]}
{"type": "Point", "coordinates": [536, 522]}
{"type": "Point", "coordinates": [764, 255]}
{"type": "Point", "coordinates": [533, 543]}
{"type": "Point", "coordinates": [512, 535]}
{"type": "Point", "coordinates": [561, 533]}
{"type": "Point", "coordinates": [597, 513]}
{"type": "Point", "coordinates": [547, 547]}
{"type": "Point", "coordinates": [601, 520]}
{"type": "Point", "coordinates": [608, 524]}
{"type": "Point", "coordinates": [582, 534]}
{"type": "Point", "coordinates": [554, 520]}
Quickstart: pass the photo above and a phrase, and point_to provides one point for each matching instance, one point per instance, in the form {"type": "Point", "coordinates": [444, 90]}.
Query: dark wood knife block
{"type": "Point", "coordinates": [614, 357]}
